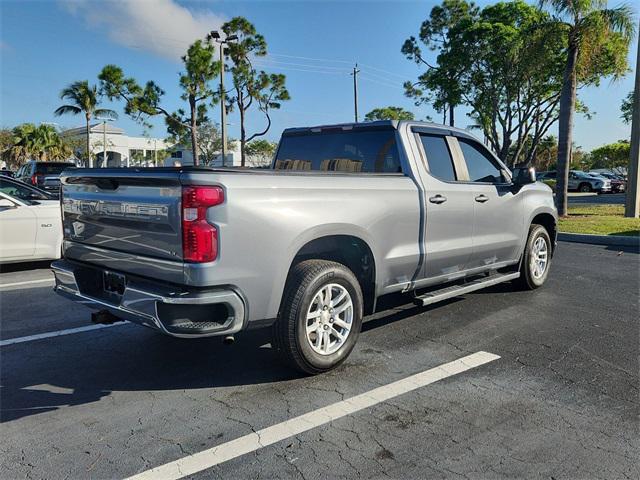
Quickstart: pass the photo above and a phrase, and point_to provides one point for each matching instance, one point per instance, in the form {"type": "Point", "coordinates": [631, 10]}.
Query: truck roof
{"type": "Point", "coordinates": [377, 124]}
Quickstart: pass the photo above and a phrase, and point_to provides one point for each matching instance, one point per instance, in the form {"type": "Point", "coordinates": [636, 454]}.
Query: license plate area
{"type": "Point", "coordinates": [113, 283]}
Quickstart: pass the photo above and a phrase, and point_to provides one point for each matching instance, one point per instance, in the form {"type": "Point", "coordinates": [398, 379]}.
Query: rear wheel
{"type": "Point", "coordinates": [585, 187]}
{"type": "Point", "coordinates": [320, 317]}
{"type": "Point", "coordinates": [536, 261]}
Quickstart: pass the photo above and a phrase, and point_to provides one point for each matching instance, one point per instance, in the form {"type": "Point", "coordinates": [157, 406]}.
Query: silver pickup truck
{"type": "Point", "coordinates": [347, 213]}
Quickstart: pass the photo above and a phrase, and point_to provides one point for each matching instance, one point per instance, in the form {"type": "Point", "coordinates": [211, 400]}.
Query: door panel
{"type": "Point", "coordinates": [449, 211]}
{"type": "Point", "coordinates": [497, 226]}
{"type": "Point", "coordinates": [498, 215]}
{"type": "Point", "coordinates": [449, 228]}
{"type": "Point", "coordinates": [17, 232]}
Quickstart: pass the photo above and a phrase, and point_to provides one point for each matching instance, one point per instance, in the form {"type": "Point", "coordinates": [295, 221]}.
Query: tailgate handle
{"type": "Point", "coordinates": [107, 184]}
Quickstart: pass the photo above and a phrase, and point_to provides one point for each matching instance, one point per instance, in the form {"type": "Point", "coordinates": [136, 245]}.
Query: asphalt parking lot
{"type": "Point", "coordinates": [561, 401]}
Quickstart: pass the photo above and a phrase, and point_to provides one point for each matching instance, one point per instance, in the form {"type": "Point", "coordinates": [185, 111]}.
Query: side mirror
{"type": "Point", "coordinates": [5, 203]}
{"type": "Point", "coordinates": [523, 175]}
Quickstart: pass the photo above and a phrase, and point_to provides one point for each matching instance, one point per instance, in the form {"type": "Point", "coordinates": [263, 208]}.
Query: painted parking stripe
{"type": "Point", "coordinates": [30, 282]}
{"type": "Point", "coordinates": [200, 461]}
{"type": "Point", "coordinates": [58, 333]}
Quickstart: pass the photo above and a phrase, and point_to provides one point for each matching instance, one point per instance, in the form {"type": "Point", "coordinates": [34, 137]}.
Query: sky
{"type": "Point", "coordinates": [46, 45]}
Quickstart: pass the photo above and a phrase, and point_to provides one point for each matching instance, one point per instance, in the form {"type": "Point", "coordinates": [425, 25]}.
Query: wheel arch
{"type": "Point", "coordinates": [349, 250]}
{"type": "Point", "coordinates": [549, 222]}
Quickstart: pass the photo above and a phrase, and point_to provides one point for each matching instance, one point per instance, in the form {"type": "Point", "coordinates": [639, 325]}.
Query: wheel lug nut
{"type": "Point", "coordinates": [326, 327]}
{"type": "Point", "coordinates": [331, 320]}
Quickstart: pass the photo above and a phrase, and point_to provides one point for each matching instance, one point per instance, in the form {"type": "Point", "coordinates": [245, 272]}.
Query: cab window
{"type": "Point", "coordinates": [438, 157]}
{"type": "Point", "coordinates": [481, 166]}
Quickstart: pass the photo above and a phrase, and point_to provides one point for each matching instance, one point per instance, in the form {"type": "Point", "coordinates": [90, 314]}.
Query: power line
{"type": "Point", "coordinates": [311, 58]}
{"type": "Point", "coordinates": [278, 67]}
{"type": "Point", "coordinates": [389, 85]}
{"type": "Point", "coordinates": [382, 70]}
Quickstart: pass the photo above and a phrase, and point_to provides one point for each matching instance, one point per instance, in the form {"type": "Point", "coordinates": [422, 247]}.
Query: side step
{"type": "Point", "coordinates": [457, 290]}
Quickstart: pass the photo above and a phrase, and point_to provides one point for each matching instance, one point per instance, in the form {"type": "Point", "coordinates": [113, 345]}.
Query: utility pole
{"type": "Point", "coordinates": [632, 206]}
{"type": "Point", "coordinates": [215, 35]}
{"type": "Point", "coordinates": [355, 91]}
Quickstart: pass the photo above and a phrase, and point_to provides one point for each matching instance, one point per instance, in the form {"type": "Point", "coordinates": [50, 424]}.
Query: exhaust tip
{"type": "Point", "coordinates": [228, 340]}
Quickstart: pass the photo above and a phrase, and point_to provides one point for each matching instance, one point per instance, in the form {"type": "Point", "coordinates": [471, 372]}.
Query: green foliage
{"type": "Point", "coordinates": [597, 43]}
{"type": "Point", "coordinates": [611, 156]}
{"type": "Point", "coordinates": [389, 113]}
{"type": "Point", "coordinates": [627, 108]}
{"type": "Point", "coordinates": [261, 147]}
{"type": "Point", "coordinates": [28, 141]}
{"type": "Point", "coordinates": [251, 87]}
{"type": "Point", "coordinates": [260, 152]}
{"type": "Point", "coordinates": [505, 62]}
{"type": "Point", "coordinates": [440, 84]}
{"type": "Point", "coordinates": [142, 102]}
{"type": "Point", "coordinates": [209, 141]}
{"type": "Point", "coordinates": [83, 99]}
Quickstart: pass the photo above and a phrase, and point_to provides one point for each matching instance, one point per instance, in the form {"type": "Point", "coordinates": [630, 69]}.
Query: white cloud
{"type": "Point", "coordinates": [162, 27]}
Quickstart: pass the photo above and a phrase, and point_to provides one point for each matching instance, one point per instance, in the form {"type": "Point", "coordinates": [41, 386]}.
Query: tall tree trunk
{"type": "Point", "coordinates": [452, 122]}
{"type": "Point", "coordinates": [565, 127]}
{"type": "Point", "coordinates": [243, 137]}
{"type": "Point", "coordinates": [194, 130]}
{"type": "Point", "coordinates": [89, 162]}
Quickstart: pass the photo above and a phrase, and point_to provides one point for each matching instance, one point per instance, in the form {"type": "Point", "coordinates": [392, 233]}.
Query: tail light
{"type": "Point", "coordinates": [199, 238]}
{"type": "Point", "coordinates": [35, 178]}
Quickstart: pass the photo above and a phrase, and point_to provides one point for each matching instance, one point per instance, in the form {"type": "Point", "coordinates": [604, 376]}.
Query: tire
{"type": "Point", "coordinates": [304, 297]}
{"type": "Point", "coordinates": [585, 187]}
{"type": "Point", "coordinates": [530, 279]}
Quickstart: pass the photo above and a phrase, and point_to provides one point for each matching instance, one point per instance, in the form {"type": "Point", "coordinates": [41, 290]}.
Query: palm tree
{"type": "Point", "coordinates": [589, 25]}
{"type": "Point", "coordinates": [84, 99]}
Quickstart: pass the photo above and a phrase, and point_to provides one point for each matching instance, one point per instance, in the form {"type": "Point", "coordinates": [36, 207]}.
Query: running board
{"type": "Point", "coordinates": [457, 290]}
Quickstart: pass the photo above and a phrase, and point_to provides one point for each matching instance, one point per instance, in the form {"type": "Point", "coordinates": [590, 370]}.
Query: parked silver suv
{"type": "Point", "coordinates": [580, 181]}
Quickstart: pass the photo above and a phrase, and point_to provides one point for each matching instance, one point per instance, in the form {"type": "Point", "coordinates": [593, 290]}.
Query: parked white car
{"type": "Point", "coordinates": [30, 223]}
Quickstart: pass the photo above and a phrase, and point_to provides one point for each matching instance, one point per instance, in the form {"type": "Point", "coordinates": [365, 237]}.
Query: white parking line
{"type": "Point", "coordinates": [200, 461]}
{"type": "Point", "coordinates": [59, 333]}
{"type": "Point", "coordinates": [30, 282]}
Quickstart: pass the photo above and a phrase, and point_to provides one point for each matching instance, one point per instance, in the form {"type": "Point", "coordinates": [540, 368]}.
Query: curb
{"type": "Point", "coordinates": [613, 240]}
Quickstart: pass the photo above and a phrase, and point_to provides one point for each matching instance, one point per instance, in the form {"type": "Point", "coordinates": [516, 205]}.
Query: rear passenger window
{"type": "Point", "coordinates": [481, 166]}
{"type": "Point", "coordinates": [438, 157]}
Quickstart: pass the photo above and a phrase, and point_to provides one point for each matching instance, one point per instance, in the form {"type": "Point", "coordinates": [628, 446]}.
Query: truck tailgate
{"type": "Point", "coordinates": [136, 211]}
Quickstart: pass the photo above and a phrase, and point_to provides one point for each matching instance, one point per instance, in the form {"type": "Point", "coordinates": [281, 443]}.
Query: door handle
{"type": "Point", "coordinates": [482, 198]}
{"type": "Point", "coordinates": [438, 199]}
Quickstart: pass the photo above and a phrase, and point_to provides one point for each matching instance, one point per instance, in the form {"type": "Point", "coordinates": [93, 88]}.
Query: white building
{"type": "Point", "coordinates": [184, 155]}
{"type": "Point", "coordinates": [122, 150]}
{"type": "Point", "coordinates": [125, 151]}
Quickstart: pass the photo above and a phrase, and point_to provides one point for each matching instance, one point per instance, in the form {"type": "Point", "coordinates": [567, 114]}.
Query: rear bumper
{"type": "Point", "coordinates": [174, 311]}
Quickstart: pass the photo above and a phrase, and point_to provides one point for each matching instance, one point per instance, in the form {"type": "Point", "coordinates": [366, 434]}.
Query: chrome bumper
{"type": "Point", "coordinates": [169, 310]}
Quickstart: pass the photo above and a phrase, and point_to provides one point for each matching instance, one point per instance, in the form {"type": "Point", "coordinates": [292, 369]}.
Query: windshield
{"type": "Point", "coordinates": [22, 192]}
{"type": "Point", "coordinates": [356, 151]}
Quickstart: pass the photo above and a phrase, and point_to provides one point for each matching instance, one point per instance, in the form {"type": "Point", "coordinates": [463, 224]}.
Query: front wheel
{"type": "Point", "coordinates": [536, 260]}
{"type": "Point", "coordinates": [585, 188]}
{"type": "Point", "coordinates": [320, 316]}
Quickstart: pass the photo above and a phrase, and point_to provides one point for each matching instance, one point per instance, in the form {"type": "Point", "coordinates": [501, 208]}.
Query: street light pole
{"type": "Point", "coordinates": [215, 35]}
{"type": "Point", "coordinates": [104, 144]}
